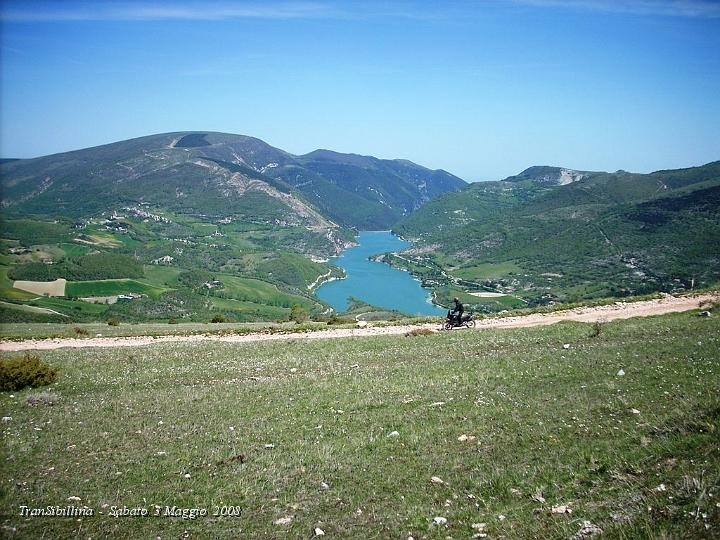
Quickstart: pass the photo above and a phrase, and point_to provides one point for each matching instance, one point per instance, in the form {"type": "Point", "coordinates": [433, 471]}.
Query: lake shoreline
{"type": "Point", "coordinates": [374, 281]}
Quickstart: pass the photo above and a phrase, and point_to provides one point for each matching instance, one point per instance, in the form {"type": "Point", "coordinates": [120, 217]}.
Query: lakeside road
{"type": "Point", "coordinates": [618, 310]}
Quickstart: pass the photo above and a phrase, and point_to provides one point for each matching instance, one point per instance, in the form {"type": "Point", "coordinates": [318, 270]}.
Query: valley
{"type": "Point", "coordinates": [203, 226]}
{"type": "Point", "coordinates": [190, 227]}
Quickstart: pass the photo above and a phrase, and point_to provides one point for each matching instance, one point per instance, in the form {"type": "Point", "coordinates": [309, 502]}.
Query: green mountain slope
{"type": "Point", "coordinates": [601, 234]}
{"type": "Point", "coordinates": [199, 219]}
{"type": "Point", "coordinates": [219, 175]}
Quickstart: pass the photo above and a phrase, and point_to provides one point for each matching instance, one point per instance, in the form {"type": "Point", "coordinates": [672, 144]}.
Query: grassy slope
{"type": "Point", "coordinates": [109, 287]}
{"type": "Point", "coordinates": [545, 417]}
{"type": "Point", "coordinates": [607, 235]}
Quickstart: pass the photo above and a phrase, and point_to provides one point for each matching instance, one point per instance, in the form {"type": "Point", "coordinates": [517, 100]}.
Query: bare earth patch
{"type": "Point", "coordinates": [50, 288]}
{"type": "Point", "coordinates": [487, 294]}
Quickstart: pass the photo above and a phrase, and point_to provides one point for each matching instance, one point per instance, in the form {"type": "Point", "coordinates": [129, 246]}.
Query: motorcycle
{"type": "Point", "coordinates": [466, 320]}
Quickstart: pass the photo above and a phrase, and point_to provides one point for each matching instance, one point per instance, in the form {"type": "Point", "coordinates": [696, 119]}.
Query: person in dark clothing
{"type": "Point", "coordinates": [458, 310]}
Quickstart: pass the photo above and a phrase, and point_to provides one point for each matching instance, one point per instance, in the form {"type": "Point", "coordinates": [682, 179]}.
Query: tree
{"type": "Point", "coordinates": [298, 313]}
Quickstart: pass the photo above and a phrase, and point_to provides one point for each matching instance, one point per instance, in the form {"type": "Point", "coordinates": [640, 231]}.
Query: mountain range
{"type": "Point", "coordinates": [554, 234]}
{"type": "Point", "coordinates": [203, 225]}
{"type": "Point", "coordinates": [221, 175]}
{"type": "Point", "coordinates": [197, 225]}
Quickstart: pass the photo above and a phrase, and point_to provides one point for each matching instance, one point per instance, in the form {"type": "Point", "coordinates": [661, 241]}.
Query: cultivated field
{"type": "Point", "coordinates": [514, 433]}
{"type": "Point", "coordinates": [49, 288]}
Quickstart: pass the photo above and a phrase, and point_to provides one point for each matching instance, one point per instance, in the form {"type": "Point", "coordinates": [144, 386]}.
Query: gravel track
{"type": "Point", "coordinates": [618, 310]}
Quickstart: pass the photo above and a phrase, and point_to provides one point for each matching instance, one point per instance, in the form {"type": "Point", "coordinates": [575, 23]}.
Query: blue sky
{"type": "Point", "coordinates": [482, 89]}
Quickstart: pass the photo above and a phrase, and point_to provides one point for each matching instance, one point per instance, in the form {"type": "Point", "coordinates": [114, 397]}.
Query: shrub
{"type": "Point", "coordinates": [597, 327]}
{"type": "Point", "coordinates": [298, 313]}
{"type": "Point", "coordinates": [172, 320]}
{"type": "Point", "coordinates": [113, 322]}
{"type": "Point", "coordinates": [339, 320]}
{"type": "Point", "coordinates": [218, 319]}
{"type": "Point", "coordinates": [28, 370]}
{"type": "Point", "coordinates": [419, 332]}
{"type": "Point", "coordinates": [80, 331]}
{"type": "Point", "coordinates": [43, 398]}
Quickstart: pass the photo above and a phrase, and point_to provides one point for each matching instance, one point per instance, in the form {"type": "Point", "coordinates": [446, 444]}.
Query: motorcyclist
{"type": "Point", "coordinates": [457, 310]}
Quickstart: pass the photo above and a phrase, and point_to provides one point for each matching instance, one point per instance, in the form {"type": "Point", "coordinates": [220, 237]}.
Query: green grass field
{"type": "Point", "coordinates": [109, 287]}
{"type": "Point", "coordinates": [261, 292]}
{"type": "Point", "coordinates": [487, 270]}
{"type": "Point", "coordinates": [189, 425]}
{"type": "Point", "coordinates": [6, 288]}
{"type": "Point", "coordinates": [241, 307]}
{"type": "Point", "coordinates": [161, 276]}
{"type": "Point", "coordinates": [69, 306]}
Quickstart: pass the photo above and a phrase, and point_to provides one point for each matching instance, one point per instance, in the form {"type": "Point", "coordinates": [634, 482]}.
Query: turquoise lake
{"type": "Point", "coordinates": [376, 283]}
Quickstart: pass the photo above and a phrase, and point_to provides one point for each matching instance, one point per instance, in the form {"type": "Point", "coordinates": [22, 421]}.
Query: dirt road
{"type": "Point", "coordinates": [619, 310]}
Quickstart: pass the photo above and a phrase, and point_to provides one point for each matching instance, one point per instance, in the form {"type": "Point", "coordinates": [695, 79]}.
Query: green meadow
{"type": "Point", "coordinates": [437, 436]}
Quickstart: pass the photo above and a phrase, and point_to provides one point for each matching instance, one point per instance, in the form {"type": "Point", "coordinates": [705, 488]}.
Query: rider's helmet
{"type": "Point", "coordinates": [456, 299]}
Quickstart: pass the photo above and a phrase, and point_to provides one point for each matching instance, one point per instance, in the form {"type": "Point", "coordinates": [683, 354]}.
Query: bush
{"type": "Point", "coordinates": [334, 319]}
{"type": "Point", "coordinates": [43, 398]}
{"type": "Point", "coordinates": [218, 319]}
{"type": "Point", "coordinates": [28, 370]}
{"type": "Point", "coordinates": [419, 332]}
{"type": "Point", "coordinates": [298, 313]}
{"type": "Point", "coordinates": [172, 320]}
{"type": "Point", "coordinates": [80, 331]}
{"type": "Point", "coordinates": [597, 327]}
{"type": "Point", "coordinates": [113, 322]}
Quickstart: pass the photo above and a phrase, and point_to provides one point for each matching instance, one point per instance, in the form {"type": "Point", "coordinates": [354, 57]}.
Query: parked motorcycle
{"type": "Point", "coordinates": [466, 320]}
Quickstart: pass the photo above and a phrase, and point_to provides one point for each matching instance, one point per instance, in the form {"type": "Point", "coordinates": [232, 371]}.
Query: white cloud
{"type": "Point", "coordinates": [215, 10]}
{"type": "Point", "coordinates": [150, 11]}
{"type": "Point", "coordinates": [670, 8]}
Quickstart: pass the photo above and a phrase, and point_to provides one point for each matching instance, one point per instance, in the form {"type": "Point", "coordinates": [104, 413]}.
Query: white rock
{"type": "Point", "coordinates": [319, 532]}
{"type": "Point", "coordinates": [393, 434]}
{"type": "Point", "coordinates": [74, 499]}
{"type": "Point", "coordinates": [324, 486]}
{"type": "Point", "coordinates": [621, 373]}
{"type": "Point", "coordinates": [561, 509]}
{"type": "Point", "coordinates": [437, 480]}
{"type": "Point", "coordinates": [634, 411]}
{"type": "Point", "coordinates": [187, 475]}
{"type": "Point", "coordinates": [538, 496]}
{"type": "Point", "coordinates": [479, 526]}
{"type": "Point", "coordinates": [588, 530]}
{"type": "Point", "coordinates": [437, 404]}
{"type": "Point", "coordinates": [269, 446]}
{"type": "Point", "coordinates": [566, 346]}
{"type": "Point", "coordinates": [7, 418]}
{"type": "Point", "coordinates": [293, 370]}
{"type": "Point", "coordinates": [283, 520]}
{"type": "Point", "coordinates": [501, 517]}
{"type": "Point", "coordinates": [440, 520]}
{"type": "Point", "coordinates": [362, 324]}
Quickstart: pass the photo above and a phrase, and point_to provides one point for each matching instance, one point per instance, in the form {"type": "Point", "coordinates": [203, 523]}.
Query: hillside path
{"type": "Point", "coordinates": [618, 310]}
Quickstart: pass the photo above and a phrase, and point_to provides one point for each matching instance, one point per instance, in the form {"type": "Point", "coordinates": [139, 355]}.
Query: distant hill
{"type": "Point", "coordinates": [219, 174]}
{"type": "Point", "coordinates": [554, 176]}
{"type": "Point", "coordinates": [552, 234]}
